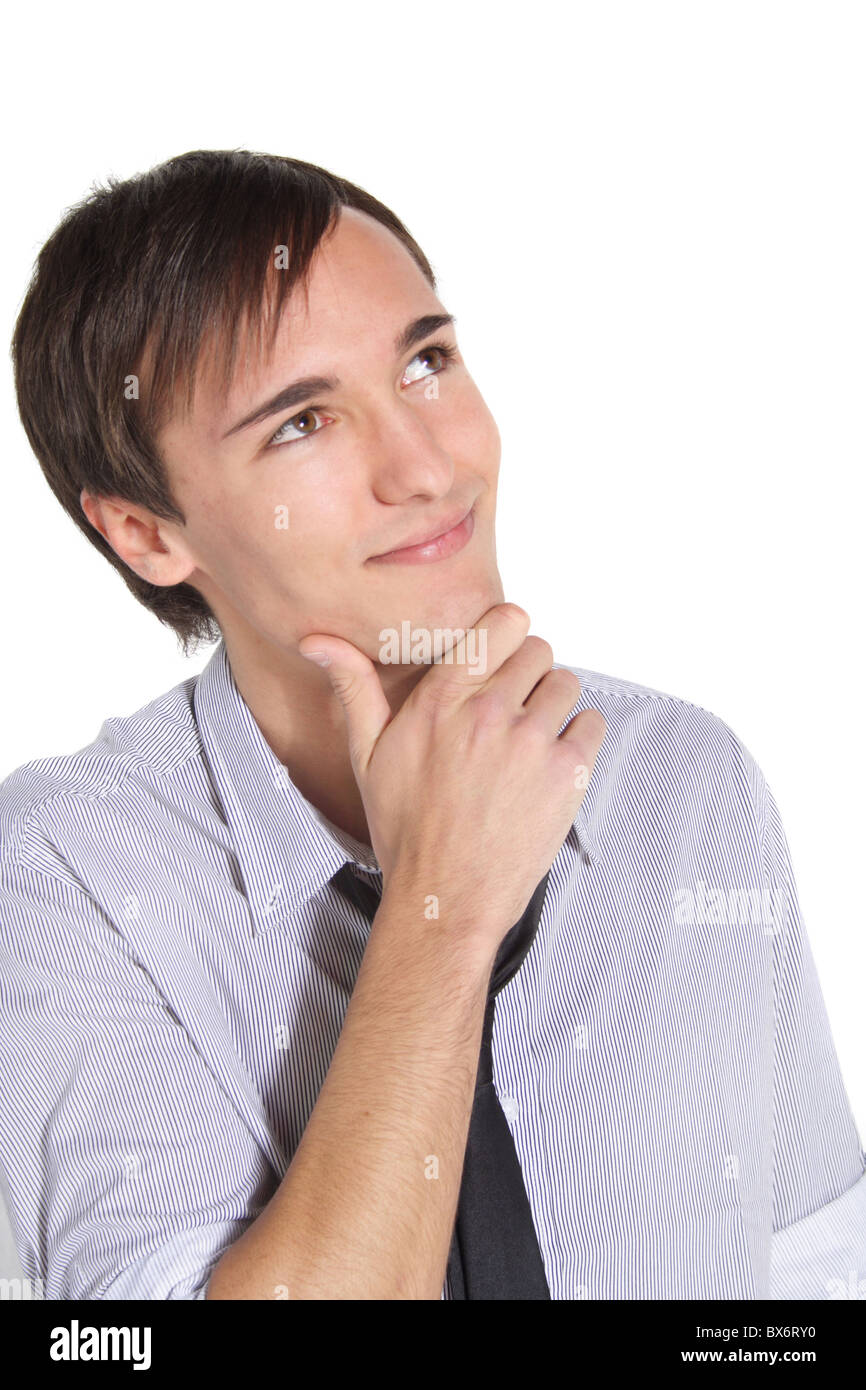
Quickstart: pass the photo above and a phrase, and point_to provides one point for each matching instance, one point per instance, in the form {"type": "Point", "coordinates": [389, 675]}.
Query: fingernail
{"type": "Point", "coordinates": [320, 658]}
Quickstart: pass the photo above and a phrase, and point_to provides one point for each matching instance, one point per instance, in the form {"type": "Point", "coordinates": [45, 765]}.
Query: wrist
{"type": "Point", "coordinates": [457, 930]}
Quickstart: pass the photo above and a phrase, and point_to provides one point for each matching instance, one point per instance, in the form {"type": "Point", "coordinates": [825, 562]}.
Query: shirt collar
{"type": "Point", "coordinates": [286, 849]}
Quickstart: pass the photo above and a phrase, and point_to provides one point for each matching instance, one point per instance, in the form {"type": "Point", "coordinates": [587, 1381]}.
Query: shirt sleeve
{"type": "Point", "coordinates": [818, 1246]}
{"type": "Point", "coordinates": [126, 1171]}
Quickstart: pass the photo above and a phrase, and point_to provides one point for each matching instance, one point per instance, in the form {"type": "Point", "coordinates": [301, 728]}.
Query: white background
{"type": "Point", "coordinates": [650, 221]}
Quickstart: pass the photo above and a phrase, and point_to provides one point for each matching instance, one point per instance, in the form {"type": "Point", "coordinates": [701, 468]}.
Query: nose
{"type": "Point", "coordinates": [408, 460]}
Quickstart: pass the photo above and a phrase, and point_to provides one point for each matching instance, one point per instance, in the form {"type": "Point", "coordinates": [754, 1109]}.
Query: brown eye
{"type": "Point", "coordinates": [434, 353]}
{"type": "Point", "coordinates": [431, 360]}
{"type": "Point", "coordinates": [295, 429]}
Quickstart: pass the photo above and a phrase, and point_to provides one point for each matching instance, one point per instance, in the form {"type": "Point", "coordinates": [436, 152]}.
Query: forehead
{"type": "Point", "coordinates": [363, 287]}
{"type": "Point", "coordinates": [361, 277]}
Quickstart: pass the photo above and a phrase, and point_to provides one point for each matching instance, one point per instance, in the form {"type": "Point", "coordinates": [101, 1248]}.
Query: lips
{"type": "Point", "coordinates": [437, 544]}
{"type": "Point", "coordinates": [428, 536]}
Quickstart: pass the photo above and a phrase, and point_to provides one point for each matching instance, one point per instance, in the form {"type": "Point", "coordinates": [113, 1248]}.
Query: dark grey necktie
{"type": "Point", "coordinates": [494, 1249]}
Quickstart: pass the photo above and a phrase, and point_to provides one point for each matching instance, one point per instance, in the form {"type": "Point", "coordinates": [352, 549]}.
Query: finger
{"type": "Point", "coordinates": [521, 672]}
{"type": "Point", "coordinates": [583, 737]}
{"type": "Point", "coordinates": [355, 682]}
{"type": "Point", "coordinates": [554, 699]}
{"type": "Point", "coordinates": [469, 664]}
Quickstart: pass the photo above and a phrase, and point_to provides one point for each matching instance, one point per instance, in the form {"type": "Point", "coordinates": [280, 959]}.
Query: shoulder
{"type": "Point", "coordinates": [153, 742]}
{"type": "Point", "coordinates": [662, 735]}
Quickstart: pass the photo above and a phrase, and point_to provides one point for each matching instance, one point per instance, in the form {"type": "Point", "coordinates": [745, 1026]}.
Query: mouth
{"type": "Point", "coordinates": [438, 546]}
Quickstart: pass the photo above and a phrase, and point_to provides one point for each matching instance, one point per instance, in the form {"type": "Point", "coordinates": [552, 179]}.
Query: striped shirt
{"type": "Point", "coordinates": [175, 966]}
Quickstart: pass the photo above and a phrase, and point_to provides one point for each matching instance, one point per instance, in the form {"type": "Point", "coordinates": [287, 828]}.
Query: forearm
{"type": "Point", "coordinates": [367, 1206]}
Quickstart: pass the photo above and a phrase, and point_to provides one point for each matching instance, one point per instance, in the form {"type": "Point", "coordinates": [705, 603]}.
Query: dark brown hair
{"type": "Point", "coordinates": [136, 282]}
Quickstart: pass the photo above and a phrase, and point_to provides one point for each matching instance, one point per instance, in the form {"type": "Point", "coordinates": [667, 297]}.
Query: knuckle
{"type": "Point", "coordinates": [516, 615]}
{"type": "Point", "coordinates": [441, 694]}
{"type": "Point", "coordinates": [589, 732]}
{"type": "Point", "coordinates": [533, 731]}
{"type": "Point", "coordinates": [489, 708]}
{"type": "Point", "coordinates": [346, 687]}
{"type": "Point", "coordinates": [568, 680]}
{"type": "Point", "coordinates": [541, 647]}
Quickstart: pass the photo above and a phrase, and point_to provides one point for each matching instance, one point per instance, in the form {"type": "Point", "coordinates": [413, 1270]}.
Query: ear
{"type": "Point", "coordinates": [91, 509]}
{"type": "Point", "coordinates": [135, 536]}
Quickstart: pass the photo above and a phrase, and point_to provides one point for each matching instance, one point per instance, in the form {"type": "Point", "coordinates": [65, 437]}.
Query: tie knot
{"type": "Point", "coordinates": [365, 897]}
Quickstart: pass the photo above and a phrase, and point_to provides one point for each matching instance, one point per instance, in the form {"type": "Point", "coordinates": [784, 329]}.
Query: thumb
{"type": "Point", "coordinates": [356, 684]}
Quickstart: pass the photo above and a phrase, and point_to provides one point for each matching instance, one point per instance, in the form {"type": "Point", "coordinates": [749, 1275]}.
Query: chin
{"type": "Point", "coordinates": [457, 608]}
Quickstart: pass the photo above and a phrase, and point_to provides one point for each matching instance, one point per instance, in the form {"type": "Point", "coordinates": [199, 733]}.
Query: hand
{"type": "Point", "coordinates": [469, 791]}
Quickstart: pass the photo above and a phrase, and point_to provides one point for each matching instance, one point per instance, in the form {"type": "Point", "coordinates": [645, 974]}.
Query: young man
{"type": "Point", "coordinates": [236, 1067]}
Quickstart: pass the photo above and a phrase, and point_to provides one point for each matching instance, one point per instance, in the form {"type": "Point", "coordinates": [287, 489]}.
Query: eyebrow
{"type": "Point", "coordinates": [297, 392]}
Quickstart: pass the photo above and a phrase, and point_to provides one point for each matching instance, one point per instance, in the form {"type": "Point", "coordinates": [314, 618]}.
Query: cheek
{"type": "Point", "coordinates": [259, 519]}
{"type": "Point", "coordinates": [475, 439]}
{"type": "Point", "coordinates": [235, 528]}
{"type": "Point", "coordinates": [294, 538]}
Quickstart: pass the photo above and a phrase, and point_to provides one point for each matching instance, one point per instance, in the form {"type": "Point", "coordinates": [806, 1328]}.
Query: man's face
{"type": "Point", "coordinates": [286, 516]}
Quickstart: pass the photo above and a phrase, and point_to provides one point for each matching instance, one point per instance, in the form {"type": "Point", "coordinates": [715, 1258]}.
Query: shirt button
{"type": "Point", "coordinates": [510, 1108]}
